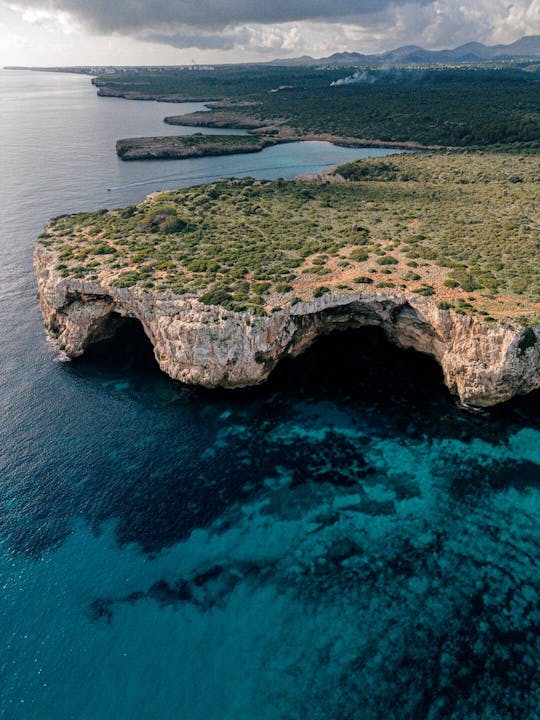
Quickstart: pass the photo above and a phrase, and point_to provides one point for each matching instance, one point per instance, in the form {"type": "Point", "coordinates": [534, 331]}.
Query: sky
{"type": "Point", "coordinates": [159, 32]}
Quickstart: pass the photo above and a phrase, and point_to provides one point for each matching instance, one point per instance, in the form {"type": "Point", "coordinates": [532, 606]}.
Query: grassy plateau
{"type": "Point", "coordinates": [462, 228]}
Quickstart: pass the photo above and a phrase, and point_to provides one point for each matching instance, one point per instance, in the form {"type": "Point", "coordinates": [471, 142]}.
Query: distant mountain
{"type": "Point", "coordinates": [526, 48]}
{"type": "Point", "coordinates": [346, 58]}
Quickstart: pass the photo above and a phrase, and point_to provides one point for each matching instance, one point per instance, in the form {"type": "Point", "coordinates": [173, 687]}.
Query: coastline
{"type": "Point", "coordinates": [228, 116]}
{"type": "Point", "coordinates": [340, 539]}
{"type": "Point", "coordinates": [224, 313]}
{"type": "Point", "coordinates": [212, 347]}
{"type": "Point", "coordinates": [171, 147]}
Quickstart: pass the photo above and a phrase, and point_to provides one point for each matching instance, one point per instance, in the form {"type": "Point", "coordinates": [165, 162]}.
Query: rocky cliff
{"type": "Point", "coordinates": [484, 363]}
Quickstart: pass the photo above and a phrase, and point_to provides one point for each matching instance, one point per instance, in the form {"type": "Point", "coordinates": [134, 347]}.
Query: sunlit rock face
{"type": "Point", "coordinates": [483, 363]}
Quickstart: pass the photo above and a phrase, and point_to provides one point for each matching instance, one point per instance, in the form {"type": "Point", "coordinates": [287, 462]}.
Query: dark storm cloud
{"type": "Point", "coordinates": [202, 41]}
{"type": "Point", "coordinates": [133, 16]}
{"type": "Point", "coordinates": [293, 26]}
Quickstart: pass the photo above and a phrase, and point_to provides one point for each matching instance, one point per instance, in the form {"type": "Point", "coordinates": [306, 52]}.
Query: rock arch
{"type": "Point", "coordinates": [483, 363]}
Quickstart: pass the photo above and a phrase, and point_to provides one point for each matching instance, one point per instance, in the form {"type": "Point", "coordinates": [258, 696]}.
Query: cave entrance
{"type": "Point", "coordinates": [363, 363]}
{"type": "Point", "coordinates": [120, 343]}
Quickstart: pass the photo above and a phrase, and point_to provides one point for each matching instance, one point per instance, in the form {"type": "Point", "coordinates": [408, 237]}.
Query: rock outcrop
{"type": "Point", "coordinates": [483, 363]}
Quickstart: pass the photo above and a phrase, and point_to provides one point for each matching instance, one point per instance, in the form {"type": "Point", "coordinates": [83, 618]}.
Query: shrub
{"type": "Point", "coordinates": [359, 255]}
{"type": "Point", "coordinates": [216, 296]}
{"type": "Point", "coordinates": [173, 225]}
{"type": "Point", "coordinates": [320, 291]}
{"type": "Point", "coordinates": [127, 279]}
{"type": "Point", "coordinates": [261, 288]}
{"type": "Point", "coordinates": [426, 291]}
{"type": "Point", "coordinates": [387, 260]}
{"type": "Point", "coordinates": [103, 249]}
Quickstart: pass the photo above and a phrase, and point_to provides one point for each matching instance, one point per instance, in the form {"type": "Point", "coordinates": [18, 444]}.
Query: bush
{"type": "Point", "coordinates": [261, 288]}
{"type": "Point", "coordinates": [216, 296]}
{"type": "Point", "coordinates": [387, 260]}
{"type": "Point", "coordinates": [173, 225]}
{"type": "Point", "coordinates": [359, 255]}
{"type": "Point", "coordinates": [127, 279]}
{"type": "Point", "coordinates": [320, 291]}
{"type": "Point", "coordinates": [426, 291]}
{"type": "Point", "coordinates": [104, 249]}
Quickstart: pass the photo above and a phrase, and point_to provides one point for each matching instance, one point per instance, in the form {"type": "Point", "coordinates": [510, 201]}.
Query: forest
{"type": "Point", "coordinates": [450, 107]}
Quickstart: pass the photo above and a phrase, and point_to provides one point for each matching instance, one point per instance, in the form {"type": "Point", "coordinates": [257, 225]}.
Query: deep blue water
{"type": "Point", "coordinates": [341, 544]}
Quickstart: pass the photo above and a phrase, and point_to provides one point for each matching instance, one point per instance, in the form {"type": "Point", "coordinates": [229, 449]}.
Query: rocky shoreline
{"type": "Point", "coordinates": [190, 146]}
{"type": "Point", "coordinates": [182, 147]}
{"type": "Point", "coordinates": [227, 116]}
{"type": "Point", "coordinates": [483, 363]}
{"type": "Point", "coordinates": [217, 118]}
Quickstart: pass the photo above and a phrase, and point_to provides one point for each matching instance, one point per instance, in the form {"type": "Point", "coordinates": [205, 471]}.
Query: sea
{"type": "Point", "coordinates": [342, 543]}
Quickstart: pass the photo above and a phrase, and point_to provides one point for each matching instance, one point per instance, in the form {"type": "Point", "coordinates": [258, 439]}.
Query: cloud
{"type": "Point", "coordinates": [129, 16]}
{"type": "Point", "coordinates": [14, 40]}
{"type": "Point", "coordinates": [292, 27]}
{"type": "Point", "coordinates": [263, 39]}
{"type": "Point", "coordinates": [447, 23]}
{"type": "Point", "coordinates": [47, 20]}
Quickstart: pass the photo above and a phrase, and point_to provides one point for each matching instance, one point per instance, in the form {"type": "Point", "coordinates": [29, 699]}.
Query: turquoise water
{"type": "Point", "coordinates": [341, 544]}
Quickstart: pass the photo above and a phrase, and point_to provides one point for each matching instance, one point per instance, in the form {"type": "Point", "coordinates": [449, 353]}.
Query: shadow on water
{"type": "Point", "coordinates": [359, 364]}
{"type": "Point", "coordinates": [128, 351]}
{"type": "Point", "coordinates": [161, 459]}
{"type": "Point", "coordinates": [430, 565]}
{"type": "Point", "coordinates": [359, 367]}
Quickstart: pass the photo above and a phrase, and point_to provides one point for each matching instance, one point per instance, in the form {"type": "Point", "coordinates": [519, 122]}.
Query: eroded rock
{"type": "Point", "coordinates": [483, 363]}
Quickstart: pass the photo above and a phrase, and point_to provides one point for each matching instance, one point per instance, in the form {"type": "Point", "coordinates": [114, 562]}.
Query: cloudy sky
{"type": "Point", "coordinates": [71, 32]}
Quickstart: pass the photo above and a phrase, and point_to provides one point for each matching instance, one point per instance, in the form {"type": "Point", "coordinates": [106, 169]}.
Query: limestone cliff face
{"type": "Point", "coordinates": [483, 363]}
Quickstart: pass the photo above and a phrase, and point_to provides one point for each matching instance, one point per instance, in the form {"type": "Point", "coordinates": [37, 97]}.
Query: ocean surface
{"type": "Point", "coordinates": [340, 544]}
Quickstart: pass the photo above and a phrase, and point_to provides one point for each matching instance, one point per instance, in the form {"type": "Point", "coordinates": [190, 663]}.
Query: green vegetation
{"type": "Point", "coordinates": [215, 119]}
{"type": "Point", "coordinates": [468, 223]}
{"type": "Point", "coordinates": [459, 107]}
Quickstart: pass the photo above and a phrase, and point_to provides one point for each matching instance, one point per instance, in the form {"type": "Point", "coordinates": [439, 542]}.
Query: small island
{"type": "Point", "coordinates": [439, 249]}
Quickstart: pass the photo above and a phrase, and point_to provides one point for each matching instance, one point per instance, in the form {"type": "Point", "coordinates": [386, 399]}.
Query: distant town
{"type": "Point", "coordinates": [113, 69]}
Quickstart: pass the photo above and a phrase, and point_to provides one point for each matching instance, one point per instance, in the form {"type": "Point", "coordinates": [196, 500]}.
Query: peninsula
{"type": "Point", "coordinates": [473, 106]}
{"type": "Point", "coordinates": [428, 108]}
{"type": "Point", "coordinates": [182, 147]}
{"type": "Point", "coordinates": [440, 250]}
{"type": "Point", "coordinates": [189, 146]}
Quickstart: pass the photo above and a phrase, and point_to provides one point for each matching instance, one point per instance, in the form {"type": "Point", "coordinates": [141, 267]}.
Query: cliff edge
{"type": "Point", "coordinates": [483, 363]}
{"type": "Point", "coordinates": [439, 250]}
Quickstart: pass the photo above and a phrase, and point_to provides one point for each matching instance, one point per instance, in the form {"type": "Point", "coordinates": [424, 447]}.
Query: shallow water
{"type": "Point", "coordinates": [340, 544]}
